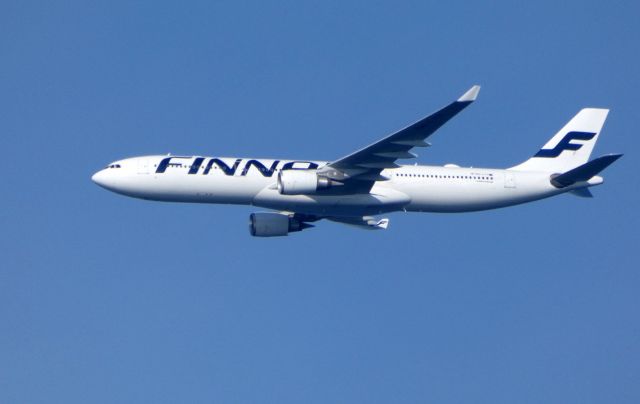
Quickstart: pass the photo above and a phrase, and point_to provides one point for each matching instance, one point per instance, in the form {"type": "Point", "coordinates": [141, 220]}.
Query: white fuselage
{"type": "Point", "coordinates": [253, 182]}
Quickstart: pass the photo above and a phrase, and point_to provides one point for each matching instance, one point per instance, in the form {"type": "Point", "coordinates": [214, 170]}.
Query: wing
{"type": "Point", "coordinates": [365, 165]}
{"type": "Point", "coordinates": [364, 222]}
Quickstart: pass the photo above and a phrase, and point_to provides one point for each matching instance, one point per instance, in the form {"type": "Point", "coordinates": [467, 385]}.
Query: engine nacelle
{"type": "Point", "coordinates": [298, 182]}
{"type": "Point", "coordinates": [269, 224]}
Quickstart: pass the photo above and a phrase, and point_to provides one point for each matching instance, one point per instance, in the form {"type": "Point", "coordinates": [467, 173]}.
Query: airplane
{"type": "Point", "coordinates": [369, 182]}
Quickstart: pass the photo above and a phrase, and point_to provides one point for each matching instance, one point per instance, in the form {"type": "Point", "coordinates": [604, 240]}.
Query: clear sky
{"type": "Point", "coordinates": [107, 299]}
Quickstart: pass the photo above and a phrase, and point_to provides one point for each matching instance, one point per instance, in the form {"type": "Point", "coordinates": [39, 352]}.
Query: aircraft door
{"type": "Point", "coordinates": [509, 180]}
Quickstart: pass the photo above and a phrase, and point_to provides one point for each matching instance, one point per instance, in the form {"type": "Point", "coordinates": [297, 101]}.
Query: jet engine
{"type": "Point", "coordinates": [298, 182]}
{"type": "Point", "coordinates": [271, 224]}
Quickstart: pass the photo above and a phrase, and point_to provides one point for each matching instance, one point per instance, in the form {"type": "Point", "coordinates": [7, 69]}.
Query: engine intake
{"type": "Point", "coordinates": [270, 224]}
{"type": "Point", "coordinates": [299, 182]}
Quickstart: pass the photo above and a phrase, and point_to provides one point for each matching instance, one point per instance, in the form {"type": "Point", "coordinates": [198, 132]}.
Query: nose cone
{"type": "Point", "coordinates": [105, 179]}
{"type": "Point", "coordinates": [95, 178]}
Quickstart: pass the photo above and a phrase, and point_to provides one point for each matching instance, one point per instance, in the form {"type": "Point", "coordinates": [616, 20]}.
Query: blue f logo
{"type": "Point", "coordinates": [565, 144]}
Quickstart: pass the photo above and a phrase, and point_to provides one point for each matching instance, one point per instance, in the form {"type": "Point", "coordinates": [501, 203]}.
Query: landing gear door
{"type": "Point", "coordinates": [509, 180]}
{"type": "Point", "coordinates": [143, 166]}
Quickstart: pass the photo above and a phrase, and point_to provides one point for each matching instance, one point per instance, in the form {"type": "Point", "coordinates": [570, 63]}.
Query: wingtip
{"type": "Point", "coordinates": [613, 156]}
{"type": "Point", "coordinates": [382, 224]}
{"type": "Point", "coordinates": [470, 95]}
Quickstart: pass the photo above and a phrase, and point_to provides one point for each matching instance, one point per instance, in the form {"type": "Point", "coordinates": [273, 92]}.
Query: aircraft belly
{"type": "Point", "coordinates": [377, 202]}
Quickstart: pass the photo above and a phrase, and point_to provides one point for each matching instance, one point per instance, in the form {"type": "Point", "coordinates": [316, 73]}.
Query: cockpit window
{"type": "Point", "coordinates": [113, 166]}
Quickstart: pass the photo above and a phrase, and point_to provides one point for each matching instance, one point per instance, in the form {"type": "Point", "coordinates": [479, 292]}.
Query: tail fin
{"type": "Point", "coordinates": [571, 146]}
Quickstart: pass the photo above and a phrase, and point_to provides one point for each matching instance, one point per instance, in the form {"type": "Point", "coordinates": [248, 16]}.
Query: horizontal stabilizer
{"type": "Point", "coordinates": [584, 172]}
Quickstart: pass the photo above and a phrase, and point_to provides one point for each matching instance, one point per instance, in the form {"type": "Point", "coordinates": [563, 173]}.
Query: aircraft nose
{"type": "Point", "coordinates": [100, 178]}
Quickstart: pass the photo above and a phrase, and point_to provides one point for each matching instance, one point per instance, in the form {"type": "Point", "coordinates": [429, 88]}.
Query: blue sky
{"type": "Point", "coordinates": [107, 299]}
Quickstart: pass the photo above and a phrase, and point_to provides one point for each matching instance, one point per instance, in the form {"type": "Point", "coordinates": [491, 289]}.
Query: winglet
{"type": "Point", "coordinates": [470, 95]}
{"type": "Point", "coordinates": [382, 224]}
